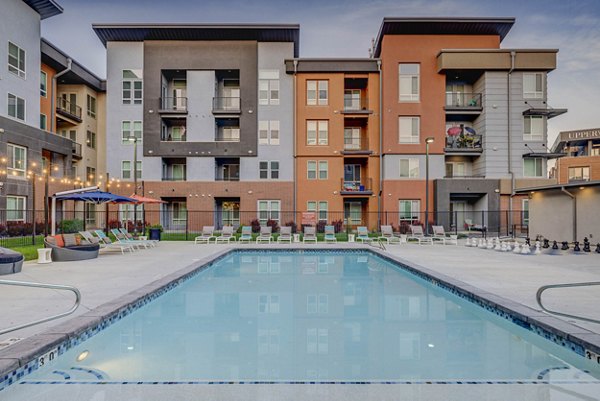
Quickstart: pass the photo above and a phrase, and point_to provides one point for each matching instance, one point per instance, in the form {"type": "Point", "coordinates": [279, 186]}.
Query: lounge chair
{"type": "Point", "coordinates": [90, 239]}
{"type": "Point", "coordinates": [387, 235]}
{"type": "Point", "coordinates": [362, 234]}
{"type": "Point", "coordinates": [130, 236]}
{"type": "Point", "coordinates": [439, 234]}
{"type": "Point", "coordinates": [474, 227]}
{"type": "Point", "coordinates": [65, 249]}
{"type": "Point", "coordinates": [206, 236]}
{"type": "Point", "coordinates": [122, 239]}
{"type": "Point", "coordinates": [310, 234]}
{"type": "Point", "coordinates": [226, 235]}
{"type": "Point", "coordinates": [330, 234]}
{"type": "Point", "coordinates": [265, 234]}
{"type": "Point", "coordinates": [246, 235]}
{"type": "Point", "coordinates": [109, 244]}
{"type": "Point", "coordinates": [416, 233]}
{"type": "Point", "coordinates": [285, 234]}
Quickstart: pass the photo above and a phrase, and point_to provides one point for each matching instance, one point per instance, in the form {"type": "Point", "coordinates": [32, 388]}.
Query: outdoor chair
{"type": "Point", "coordinates": [285, 234]}
{"type": "Point", "coordinates": [122, 239]}
{"type": "Point", "coordinates": [112, 245]}
{"type": "Point", "coordinates": [91, 239]}
{"type": "Point", "coordinates": [330, 234]}
{"type": "Point", "coordinates": [246, 235]}
{"type": "Point", "coordinates": [416, 233]}
{"type": "Point", "coordinates": [310, 234]}
{"type": "Point", "coordinates": [362, 234]}
{"type": "Point", "coordinates": [206, 236]}
{"type": "Point", "coordinates": [475, 227]}
{"type": "Point", "coordinates": [130, 236]}
{"type": "Point", "coordinates": [226, 235]}
{"type": "Point", "coordinates": [439, 234]}
{"type": "Point", "coordinates": [387, 235]}
{"type": "Point", "coordinates": [265, 234]}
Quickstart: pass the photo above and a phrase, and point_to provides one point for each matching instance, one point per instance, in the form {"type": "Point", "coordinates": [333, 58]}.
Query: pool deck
{"type": "Point", "coordinates": [114, 278]}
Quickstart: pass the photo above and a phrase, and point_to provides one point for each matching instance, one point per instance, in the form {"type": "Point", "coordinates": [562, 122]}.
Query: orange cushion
{"type": "Point", "coordinates": [60, 242]}
{"type": "Point", "coordinates": [78, 239]}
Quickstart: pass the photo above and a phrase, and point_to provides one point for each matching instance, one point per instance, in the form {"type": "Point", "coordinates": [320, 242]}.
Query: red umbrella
{"type": "Point", "coordinates": [141, 199]}
{"type": "Point", "coordinates": [453, 131]}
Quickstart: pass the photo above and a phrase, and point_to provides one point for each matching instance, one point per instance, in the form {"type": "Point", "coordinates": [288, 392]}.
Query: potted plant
{"type": "Point", "coordinates": [154, 231]}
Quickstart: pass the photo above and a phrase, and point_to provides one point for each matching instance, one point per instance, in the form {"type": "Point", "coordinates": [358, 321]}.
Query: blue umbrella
{"type": "Point", "coordinates": [97, 197]}
{"type": "Point", "coordinates": [470, 130]}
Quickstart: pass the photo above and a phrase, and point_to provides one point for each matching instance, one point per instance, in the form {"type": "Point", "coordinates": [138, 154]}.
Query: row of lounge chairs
{"type": "Point", "coordinates": [124, 240]}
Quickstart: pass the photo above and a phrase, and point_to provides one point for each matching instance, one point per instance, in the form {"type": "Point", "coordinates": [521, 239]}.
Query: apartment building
{"type": "Point", "coordinates": [208, 112]}
{"type": "Point", "coordinates": [337, 150]}
{"type": "Point", "coordinates": [479, 112]}
{"type": "Point", "coordinates": [28, 151]}
{"type": "Point", "coordinates": [578, 156]}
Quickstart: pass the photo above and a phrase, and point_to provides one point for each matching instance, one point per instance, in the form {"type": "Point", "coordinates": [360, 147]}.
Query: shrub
{"type": "Point", "coordinates": [338, 225]}
{"type": "Point", "coordinates": [293, 225]}
{"type": "Point", "coordinates": [71, 226]}
{"type": "Point", "coordinates": [255, 226]}
{"type": "Point", "coordinates": [273, 224]}
{"type": "Point", "coordinates": [114, 224]}
{"type": "Point", "coordinates": [18, 228]}
{"type": "Point", "coordinates": [321, 226]}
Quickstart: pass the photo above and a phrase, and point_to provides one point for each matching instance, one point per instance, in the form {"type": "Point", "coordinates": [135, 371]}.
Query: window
{"type": "Point", "coordinates": [409, 168]}
{"type": "Point", "coordinates": [126, 169]}
{"type": "Point", "coordinates": [455, 169]}
{"type": "Point", "coordinates": [409, 210]}
{"type": "Point", "coordinates": [317, 132]}
{"type": "Point", "coordinates": [126, 211]}
{"type": "Point", "coordinates": [43, 84]}
{"type": "Point", "coordinates": [268, 303]}
{"type": "Point", "coordinates": [131, 129]}
{"type": "Point", "coordinates": [409, 82]}
{"type": "Point", "coordinates": [323, 169]}
{"type": "Point", "coordinates": [90, 214]}
{"type": "Point", "coordinates": [317, 93]}
{"type": "Point", "coordinates": [532, 167]}
{"type": "Point", "coordinates": [179, 210]}
{"type": "Point", "coordinates": [352, 138]}
{"type": "Point", "coordinates": [91, 140]}
{"type": "Point", "coordinates": [317, 341]}
{"type": "Point", "coordinates": [90, 173]}
{"type": "Point", "coordinates": [91, 106]}
{"type": "Point", "coordinates": [268, 169]}
{"type": "Point", "coordinates": [43, 122]}
{"type": "Point", "coordinates": [311, 170]}
{"type": "Point", "coordinates": [71, 134]}
{"type": "Point", "coordinates": [15, 208]}
{"type": "Point", "coordinates": [317, 303]}
{"type": "Point", "coordinates": [533, 129]}
{"type": "Point", "coordinates": [323, 206]}
{"type": "Point", "coordinates": [16, 60]}
{"type": "Point", "coordinates": [579, 174]}
{"type": "Point", "coordinates": [268, 87]}
{"type": "Point", "coordinates": [132, 87]}
{"type": "Point", "coordinates": [17, 160]}
{"type": "Point", "coordinates": [16, 107]}
{"type": "Point", "coordinates": [525, 210]}
{"type": "Point", "coordinates": [408, 129]}
{"type": "Point", "coordinates": [268, 210]}
{"type": "Point", "coordinates": [268, 132]}
{"type": "Point", "coordinates": [533, 85]}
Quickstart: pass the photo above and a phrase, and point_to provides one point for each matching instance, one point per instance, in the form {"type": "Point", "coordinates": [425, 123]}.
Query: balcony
{"type": "Point", "coordinates": [461, 103]}
{"type": "Point", "coordinates": [356, 105]}
{"type": "Point", "coordinates": [76, 149]}
{"type": "Point", "coordinates": [464, 145]}
{"type": "Point", "coordinates": [227, 169]}
{"type": "Point", "coordinates": [174, 169]}
{"type": "Point", "coordinates": [175, 133]}
{"type": "Point", "coordinates": [173, 105]}
{"type": "Point", "coordinates": [362, 187]}
{"type": "Point", "coordinates": [226, 105]}
{"type": "Point", "coordinates": [67, 109]}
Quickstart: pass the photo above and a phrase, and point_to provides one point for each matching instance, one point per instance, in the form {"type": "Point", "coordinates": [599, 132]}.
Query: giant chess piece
{"type": "Point", "coordinates": [517, 248]}
{"type": "Point", "coordinates": [468, 242]}
{"type": "Point", "coordinates": [537, 251]}
{"type": "Point", "coordinates": [598, 247]}
{"type": "Point", "coordinates": [576, 248]}
{"type": "Point", "coordinates": [546, 244]}
{"type": "Point", "coordinates": [586, 245]}
{"type": "Point", "coordinates": [525, 250]}
{"type": "Point", "coordinates": [490, 244]}
{"type": "Point", "coordinates": [554, 245]}
{"type": "Point", "coordinates": [555, 250]}
{"type": "Point", "coordinates": [527, 241]}
{"type": "Point", "coordinates": [482, 243]}
{"type": "Point", "coordinates": [498, 246]}
{"type": "Point", "coordinates": [565, 246]}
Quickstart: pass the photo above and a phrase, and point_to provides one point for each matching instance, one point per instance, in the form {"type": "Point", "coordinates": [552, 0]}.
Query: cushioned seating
{"type": "Point", "coordinates": [10, 261]}
{"type": "Point", "coordinates": [70, 252]}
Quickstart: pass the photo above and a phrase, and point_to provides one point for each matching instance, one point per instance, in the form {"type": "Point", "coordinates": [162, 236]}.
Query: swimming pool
{"type": "Point", "coordinates": [301, 317]}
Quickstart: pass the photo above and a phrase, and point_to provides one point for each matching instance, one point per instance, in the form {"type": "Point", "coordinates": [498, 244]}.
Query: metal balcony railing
{"type": "Point", "coordinates": [464, 142]}
{"type": "Point", "coordinates": [363, 186]}
{"type": "Point", "coordinates": [463, 101]}
{"type": "Point", "coordinates": [355, 105]}
{"type": "Point", "coordinates": [173, 104]}
{"type": "Point", "coordinates": [226, 104]}
{"type": "Point", "coordinates": [76, 148]}
{"type": "Point", "coordinates": [68, 109]}
{"type": "Point", "coordinates": [232, 135]}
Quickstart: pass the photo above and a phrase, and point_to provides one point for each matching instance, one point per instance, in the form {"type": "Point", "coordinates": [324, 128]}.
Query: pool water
{"type": "Point", "coordinates": [330, 316]}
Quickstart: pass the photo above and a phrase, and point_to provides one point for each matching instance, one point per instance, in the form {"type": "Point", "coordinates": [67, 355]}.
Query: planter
{"type": "Point", "coordinates": [154, 234]}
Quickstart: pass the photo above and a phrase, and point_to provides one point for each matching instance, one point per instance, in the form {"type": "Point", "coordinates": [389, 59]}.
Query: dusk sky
{"type": "Point", "coordinates": [345, 29]}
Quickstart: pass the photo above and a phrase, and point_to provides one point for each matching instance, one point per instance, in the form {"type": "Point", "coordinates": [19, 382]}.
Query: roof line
{"type": "Point", "coordinates": [559, 186]}
{"type": "Point", "coordinates": [198, 25]}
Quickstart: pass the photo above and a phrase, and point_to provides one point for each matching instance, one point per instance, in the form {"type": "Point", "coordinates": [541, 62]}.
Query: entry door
{"type": "Point", "coordinates": [353, 213]}
{"type": "Point", "coordinates": [455, 95]}
{"type": "Point", "coordinates": [457, 213]}
{"type": "Point", "coordinates": [70, 102]}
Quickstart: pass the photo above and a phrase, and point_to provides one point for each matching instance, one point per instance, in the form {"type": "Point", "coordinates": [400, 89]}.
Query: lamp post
{"type": "Point", "coordinates": [134, 140]}
{"type": "Point", "coordinates": [428, 140]}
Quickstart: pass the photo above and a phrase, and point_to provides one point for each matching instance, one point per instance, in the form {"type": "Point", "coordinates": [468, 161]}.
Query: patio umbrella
{"type": "Point", "coordinates": [97, 197]}
{"type": "Point", "coordinates": [470, 130]}
{"type": "Point", "coordinates": [142, 199]}
{"type": "Point", "coordinates": [453, 131]}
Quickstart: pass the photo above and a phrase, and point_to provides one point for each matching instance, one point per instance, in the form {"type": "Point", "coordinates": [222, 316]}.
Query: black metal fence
{"type": "Point", "coordinates": [20, 228]}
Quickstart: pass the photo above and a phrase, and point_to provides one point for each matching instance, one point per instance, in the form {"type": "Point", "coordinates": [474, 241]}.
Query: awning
{"type": "Point", "coordinates": [142, 199]}
{"type": "Point", "coordinates": [549, 112]}
{"type": "Point", "coordinates": [97, 197]}
{"type": "Point", "coordinates": [545, 155]}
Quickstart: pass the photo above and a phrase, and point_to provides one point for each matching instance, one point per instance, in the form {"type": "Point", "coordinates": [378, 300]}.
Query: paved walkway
{"type": "Point", "coordinates": [101, 280]}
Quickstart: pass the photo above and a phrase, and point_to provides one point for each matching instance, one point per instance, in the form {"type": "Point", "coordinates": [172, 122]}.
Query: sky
{"type": "Point", "coordinates": [345, 28]}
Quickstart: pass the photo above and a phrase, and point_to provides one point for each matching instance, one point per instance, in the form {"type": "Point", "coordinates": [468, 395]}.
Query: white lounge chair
{"type": "Point", "coordinates": [226, 235]}
{"type": "Point", "coordinates": [416, 233]}
{"type": "Point", "coordinates": [206, 236]}
{"type": "Point", "coordinates": [246, 235]}
{"type": "Point", "coordinates": [112, 245]}
{"type": "Point", "coordinates": [439, 234]}
{"type": "Point", "coordinates": [362, 234]}
{"type": "Point", "coordinates": [265, 234]}
{"type": "Point", "coordinates": [310, 234]}
{"type": "Point", "coordinates": [122, 239]}
{"type": "Point", "coordinates": [387, 235]}
{"type": "Point", "coordinates": [124, 231]}
{"type": "Point", "coordinates": [285, 234]}
{"type": "Point", "coordinates": [330, 234]}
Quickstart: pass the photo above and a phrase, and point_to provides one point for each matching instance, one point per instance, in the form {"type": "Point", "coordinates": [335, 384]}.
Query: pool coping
{"type": "Point", "coordinates": [21, 358]}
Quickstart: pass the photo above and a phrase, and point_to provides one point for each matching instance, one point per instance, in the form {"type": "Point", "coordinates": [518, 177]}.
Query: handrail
{"type": "Point", "coordinates": [43, 285]}
{"type": "Point", "coordinates": [538, 298]}
{"type": "Point", "coordinates": [379, 242]}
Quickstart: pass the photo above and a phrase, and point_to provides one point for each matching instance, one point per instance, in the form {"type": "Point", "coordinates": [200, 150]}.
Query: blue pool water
{"type": "Point", "coordinates": [312, 316]}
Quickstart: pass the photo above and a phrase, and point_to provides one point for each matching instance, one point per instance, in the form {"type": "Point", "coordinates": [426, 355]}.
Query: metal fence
{"type": "Point", "coordinates": [20, 228]}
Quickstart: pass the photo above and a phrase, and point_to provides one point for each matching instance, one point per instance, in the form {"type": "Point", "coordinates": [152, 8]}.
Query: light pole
{"type": "Point", "coordinates": [428, 140]}
{"type": "Point", "coordinates": [134, 140]}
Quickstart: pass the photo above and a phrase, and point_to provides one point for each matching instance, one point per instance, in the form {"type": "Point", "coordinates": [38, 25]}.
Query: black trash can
{"type": "Point", "coordinates": [155, 234]}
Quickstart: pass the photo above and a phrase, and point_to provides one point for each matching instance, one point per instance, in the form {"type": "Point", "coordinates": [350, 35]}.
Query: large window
{"type": "Point", "coordinates": [91, 106]}
{"type": "Point", "coordinates": [90, 173]}
{"type": "Point", "coordinates": [71, 134]}
{"type": "Point", "coordinates": [409, 82]}
{"type": "Point", "coordinates": [317, 132]}
{"type": "Point", "coordinates": [532, 167]}
{"type": "Point", "coordinates": [352, 138]}
{"type": "Point", "coordinates": [455, 169]}
{"type": "Point", "coordinates": [323, 169]}
{"type": "Point", "coordinates": [268, 170]}
{"type": "Point", "coordinates": [408, 129]}
{"type": "Point", "coordinates": [91, 140]}
{"type": "Point", "coordinates": [43, 84]}
{"type": "Point", "coordinates": [268, 210]}
{"type": "Point", "coordinates": [43, 122]}
{"type": "Point", "coordinates": [126, 212]}
{"type": "Point", "coordinates": [16, 60]}
{"type": "Point", "coordinates": [16, 107]}
{"type": "Point", "coordinates": [409, 209]}
{"type": "Point", "coordinates": [131, 129]}
{"type": "Point", "coordinates": [126, 169]}
{"type": "Point", "coordinates": [533, 129]}
{"type": "Point", "coordinates": [319, 207]}
{"type": "Point", "coordinates": [579, 174]}
{"type": "Point", "coordinates": [317, 93]}
{"type": "Point", "coordinates": [409, 168]}
{"type": "Point", "coordinates": [533, 85]}
{"type": "Point", "coordinates": [268, 132]}
{"type": "Point", "coordinates": [132, 86]}
{"type": "Point", "coordinates": [17, 160]}
{"type": "Point", "coordinates": [15, 208]}
{"type": "Point", "coordinates": [525, 210]}
{"type": "Point", "coordinates": [311, 170]}
{"type": "Point", "coordinates": [268, 87]}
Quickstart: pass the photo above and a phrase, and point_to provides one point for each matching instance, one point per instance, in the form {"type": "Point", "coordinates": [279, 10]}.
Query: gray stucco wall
{"type": "Point", "coordinates": [391, 166]}
{"type": "Point", "coordinates": [20, 24]}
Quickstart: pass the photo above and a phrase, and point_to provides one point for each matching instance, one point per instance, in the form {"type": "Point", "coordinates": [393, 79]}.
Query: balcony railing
{"type": "Point", "coordinates": [171, 136]}
{"type": "Point", "coordinates": [459, 101]}
{"type": "Point", "coordinates": [173, 104]}
{"type": "Point", "coordinates": [354, 105]}
{"type": "Point", "coordinates": [356, 146]}
{"type": "Point", "coordinates": [232, 135]}
{"type": "Point", "coordinates": [68, 109]}
{"type": "Point", "coordinates": [76, 149]}
{"type": "Point", "coordinates": [226, 105]}
{"type": "Point", "coordinates": [464, 143]}
{"type": "Point", "coordinates": [227, 178]}
{"type": "Point", "coordinates": [171, 178]}
{"type": "Point", "coordinates": [362, 187]}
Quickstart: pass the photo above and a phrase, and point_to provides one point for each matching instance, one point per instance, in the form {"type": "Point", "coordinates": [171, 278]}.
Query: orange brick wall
{"type": "Point", "coordinates": [563, 164]}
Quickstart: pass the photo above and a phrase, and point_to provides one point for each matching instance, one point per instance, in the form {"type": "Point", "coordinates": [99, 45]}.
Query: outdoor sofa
{"type": "Point", "coordinates": [10, 261]}
{"type": "Point", "coordinates": [68, 247]}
